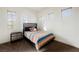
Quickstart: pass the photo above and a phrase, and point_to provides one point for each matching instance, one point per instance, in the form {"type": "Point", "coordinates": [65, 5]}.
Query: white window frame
{"type": "Point", "coordinates": [66, 11]}
{"type": "Point", "coordinates": [11, 15]}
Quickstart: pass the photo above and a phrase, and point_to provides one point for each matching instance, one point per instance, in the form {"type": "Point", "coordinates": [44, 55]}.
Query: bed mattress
{"type": "Point", "coordinates": [38, 37]}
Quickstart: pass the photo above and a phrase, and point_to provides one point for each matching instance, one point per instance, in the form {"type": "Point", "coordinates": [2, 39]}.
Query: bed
{"type": "Point", "coordinates": [37, 37]}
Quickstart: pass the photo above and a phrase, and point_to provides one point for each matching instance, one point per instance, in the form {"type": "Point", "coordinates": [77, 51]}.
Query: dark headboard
{"type": "Point", "coordinates": [26, 26]}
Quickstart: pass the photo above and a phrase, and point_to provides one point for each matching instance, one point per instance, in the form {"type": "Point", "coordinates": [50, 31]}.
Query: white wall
{"type": "Point", "coordinates": [4, 30]}
{"type": "Point", "coordinates": [65, 29]}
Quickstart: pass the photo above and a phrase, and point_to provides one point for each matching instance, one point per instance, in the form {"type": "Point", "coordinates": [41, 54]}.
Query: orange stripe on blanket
{"type": "Point", "coordinates": [45, 40]}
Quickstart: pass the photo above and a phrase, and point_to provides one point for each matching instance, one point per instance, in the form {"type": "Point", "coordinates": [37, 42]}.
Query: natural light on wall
{"type": "Point", "coordinates": [45, 29]}
{"type": "Point", "coordinates": [47, 20]}
{"type": "Point", "coordinates": [44, 22]}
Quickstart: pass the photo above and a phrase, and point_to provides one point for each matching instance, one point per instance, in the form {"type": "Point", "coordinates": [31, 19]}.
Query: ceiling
{"type": "Point", "coordinates": [37, 9]}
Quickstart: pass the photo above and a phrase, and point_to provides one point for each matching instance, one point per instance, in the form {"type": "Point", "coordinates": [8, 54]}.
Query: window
{"type": "Point", "coordinates": [11, 18]}
{"type": "Point", "coordinates": [48, 20]}
{"type": "Point", "coordinates": [25, 19]}
{"type": "Point", "coordinates": [67, 11]}
{"type": "Point", "coordinates": [28, 19]}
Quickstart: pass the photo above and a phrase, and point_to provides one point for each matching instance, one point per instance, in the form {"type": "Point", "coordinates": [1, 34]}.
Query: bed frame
{"type": "Point", "coordinates": [26, 27]}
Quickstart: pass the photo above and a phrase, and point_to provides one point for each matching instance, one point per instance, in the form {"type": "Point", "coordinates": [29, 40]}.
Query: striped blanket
{"type": "Point", "coordinates": [39, 37]}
